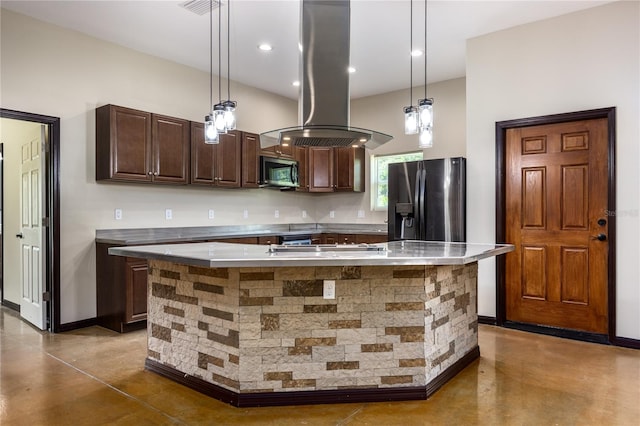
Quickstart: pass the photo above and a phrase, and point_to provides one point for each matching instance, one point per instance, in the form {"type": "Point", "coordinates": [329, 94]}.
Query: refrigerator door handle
{"type": "Point", "coordinates": [417, 205]}
{"type": "Point", "coordinates": [423, 202]}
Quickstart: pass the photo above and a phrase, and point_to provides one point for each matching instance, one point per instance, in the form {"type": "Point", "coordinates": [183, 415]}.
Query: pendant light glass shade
{"type": "Point", "coordinates": [229, 115]}
{"type": "Point", "coordinates": [425, 110]}
{"type": "Point", "coordinates": [425, 140]}
{"type": "Point", "coordinates": [211, 135]}
{"type": "Point", "coordinates": [218, 118]}
{"type": "Point", "coordinates": [411, 120]}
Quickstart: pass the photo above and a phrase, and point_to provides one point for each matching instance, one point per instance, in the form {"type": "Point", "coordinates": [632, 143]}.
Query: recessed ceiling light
{"type": "Point", "coordinates": [416, 52]}
{"type": "Point", "coordinates": [265, 47]}
{"type": "Point", "coordinates": [286, 138]}
{"type": "Point", "coordinates": [351, 70]}
{"type": "Point", "coordinates": [296, 83]}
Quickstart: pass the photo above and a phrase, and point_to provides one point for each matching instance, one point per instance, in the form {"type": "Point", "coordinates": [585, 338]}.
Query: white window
{"type": "Point", "coordinates": [380, 176]}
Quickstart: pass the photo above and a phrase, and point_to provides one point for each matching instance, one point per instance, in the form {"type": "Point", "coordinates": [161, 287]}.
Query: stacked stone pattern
{"type": "Point", "coordinates": [271, 330]}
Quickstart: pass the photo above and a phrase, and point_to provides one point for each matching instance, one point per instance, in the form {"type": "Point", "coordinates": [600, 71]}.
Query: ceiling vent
{"type": "Point", "coordinates": [199, 7]}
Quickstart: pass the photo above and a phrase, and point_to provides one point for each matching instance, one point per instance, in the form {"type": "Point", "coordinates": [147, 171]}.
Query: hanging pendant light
{"type": "Point", "coordinates": [425, 106]}
{"type": "Point", "coordinates": [411, 118]}
{"type": "Point", "coordinates": [211, 135]}
{"type": "Point", "coordinates": [229, 105]}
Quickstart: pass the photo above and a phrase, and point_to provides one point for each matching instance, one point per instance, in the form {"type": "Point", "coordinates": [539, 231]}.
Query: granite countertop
{"type": "Point", "coordinates": [215, 255]}
{"type": "Point", "coordinates": [136, 236]}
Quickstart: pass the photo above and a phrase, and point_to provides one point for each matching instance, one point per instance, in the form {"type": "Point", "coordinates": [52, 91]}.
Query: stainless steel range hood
{"type": "Point", "coordinates": [323, 107]}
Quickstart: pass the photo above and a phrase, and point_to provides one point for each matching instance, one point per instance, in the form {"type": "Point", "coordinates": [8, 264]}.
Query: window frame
{"type": "Point", "coordinates": [375, 182]}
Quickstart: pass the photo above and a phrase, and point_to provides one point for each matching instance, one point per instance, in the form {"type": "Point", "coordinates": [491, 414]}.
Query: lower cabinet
{"type": "Point", "coordinates": [121, 290]}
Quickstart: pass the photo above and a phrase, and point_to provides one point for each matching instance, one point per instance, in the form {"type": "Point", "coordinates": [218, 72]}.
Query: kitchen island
{"type": "Point", "coordinates": [269, 325]}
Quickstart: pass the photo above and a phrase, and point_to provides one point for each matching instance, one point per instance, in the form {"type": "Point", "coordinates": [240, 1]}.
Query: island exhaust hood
{"type": "Point", "coordinates": [323, 106]}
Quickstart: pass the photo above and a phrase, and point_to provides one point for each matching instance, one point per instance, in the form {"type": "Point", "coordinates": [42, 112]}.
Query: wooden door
{"type": "Point", "coordinates": [556, 203]}
{"type": "Point", "coordinates": [32, 305]}
{"type": "Point", "coordinates": [170, 153]}
{"type": "Point", "coordinates": [250, 160]}
{"type": "Point", "coordinates": [228, 160]}
{"type": "Point", "coordinates": [320, 169]}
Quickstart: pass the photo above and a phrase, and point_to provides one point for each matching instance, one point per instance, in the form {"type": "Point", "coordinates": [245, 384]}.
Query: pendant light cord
{"type": "Point", "coordinates": [410, 52]}
{"type": "Point", "coordinates": [211, 54]}
{"type": "Point", "coordinates": [219, 55]}
{"type": "Point", "coordinates": [228, 50]}
{"type": "Point", "coordinates": [425, 49]}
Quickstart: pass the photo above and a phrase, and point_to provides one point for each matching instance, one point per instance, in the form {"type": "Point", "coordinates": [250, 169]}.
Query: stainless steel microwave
{"type": "Point", "coordinates": [278, 173]}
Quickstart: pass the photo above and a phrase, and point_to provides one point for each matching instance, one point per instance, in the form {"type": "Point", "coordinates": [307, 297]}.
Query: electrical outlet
{"type": "Point", "coordinates": [276, 214]}
{"type": "Point", "coordinates": [329, 289]}
{"type": "Point", "coordinates": [304, 214]}
{"type": "Point", "coordinates": [332, 214]}
{"type": "Point", "coordinates": [168, 214]}
{"type": "Point", "coordinates": [360, 214]}
{"type": "Point", "coordinates": [245, 214]}
{"type": "Point", "coordinates": [117, 214]}
{"type": "Point", "coordinates": [212, 214]}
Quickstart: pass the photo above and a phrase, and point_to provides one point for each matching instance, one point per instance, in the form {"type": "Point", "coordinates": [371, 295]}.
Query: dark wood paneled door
{"type": "Point", "coordinates": [556, 204]}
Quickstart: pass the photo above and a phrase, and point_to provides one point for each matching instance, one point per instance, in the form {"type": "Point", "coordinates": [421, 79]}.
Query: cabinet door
{"type": "Point", "coordinates": [123, 144]}
{"type": "Point", "coordinates": [136, 290]}
{"type": "Point", "coordinates": [349, 169]}
{"type": "Point", "coordinates": [268, 240]}
{"type": "Point", "coordinates": [371, 238]}
{"type": "Point", "coordinates": [320, 169]}
{"type": "Point", "coordinates": [280, 151]}
{"type": "Point", "coordinates": [228, 160]}
{"type": "Point", "coordinates": [170, 156]}
{"type": "Point", "coordinates": [250, 160]}
{"type": "Point", "coordinates": [201, 156]}
{"type": "Point", "coordinates": [302, 157]}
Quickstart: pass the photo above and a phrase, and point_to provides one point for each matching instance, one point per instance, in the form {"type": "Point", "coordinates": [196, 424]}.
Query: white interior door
{"type": "Point", "coordinates": [32, 307]}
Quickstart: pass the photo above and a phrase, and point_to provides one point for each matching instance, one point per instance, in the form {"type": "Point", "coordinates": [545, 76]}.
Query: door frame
{"type": "Point", "coordinates": [501, 131]}
{"type": "Point", "coordinates": [52, 210]}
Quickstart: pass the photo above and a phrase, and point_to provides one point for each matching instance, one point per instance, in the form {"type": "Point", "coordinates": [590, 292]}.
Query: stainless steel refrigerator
{"type": "Point", "coordinates": [427, 200]}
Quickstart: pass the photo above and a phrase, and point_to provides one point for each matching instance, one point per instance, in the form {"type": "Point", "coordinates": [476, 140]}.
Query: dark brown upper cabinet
{"type": "Point", "coordinates": [302, 157]}
{"type": "Point", "coordinates": [349, 169]}
{"type": "Point", "coordinates": [215, 164]}
{"type": "Point", "coordinates": [280, 151]}
{"type": "Point", "coordinates": [250, 160]}
{"type": "Point", "coordinates": [336, 169]}
{"type": "Point", "coordinates": [137, 146]}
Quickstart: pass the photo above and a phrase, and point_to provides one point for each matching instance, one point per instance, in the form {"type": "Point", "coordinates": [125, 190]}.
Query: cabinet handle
{"type": "Point", "coordinates": [155, 173]}
{"type": "Point", "coordinates": [150, 173]}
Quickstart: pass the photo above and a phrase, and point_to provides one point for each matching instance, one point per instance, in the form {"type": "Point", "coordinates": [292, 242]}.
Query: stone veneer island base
{"type": "Point", "coordinates": [265, 335]}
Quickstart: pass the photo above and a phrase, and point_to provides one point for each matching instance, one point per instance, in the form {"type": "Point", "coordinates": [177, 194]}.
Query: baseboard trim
{"type": "Point", "coordinates": [626, 342]}
{"type": "Point", "coordinates": [11, 305]}
{"type": "Point", "coordinates": [487, 320]}
{"type": "Point", "coordinates": [264, 399]}
{"type": "Point", "coordinates": [559, 332]}
{"type": "Point", "coordinates": [70, 326]}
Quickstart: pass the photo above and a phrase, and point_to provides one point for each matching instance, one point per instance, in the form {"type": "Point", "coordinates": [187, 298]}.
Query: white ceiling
{"type": "Point", "coordinates": [379, 35]}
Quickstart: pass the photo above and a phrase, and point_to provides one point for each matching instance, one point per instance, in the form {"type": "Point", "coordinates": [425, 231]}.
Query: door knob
{"type": "Point", "coordinates": [600, 237]}
{"type": "Point", "coordinates": [19, 235]}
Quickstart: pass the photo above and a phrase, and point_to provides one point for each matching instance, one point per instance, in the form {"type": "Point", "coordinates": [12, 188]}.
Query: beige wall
{"type": "Point", "coordinates": [13, 134]}
{"type": "Point", "coordinates": [580, 61]}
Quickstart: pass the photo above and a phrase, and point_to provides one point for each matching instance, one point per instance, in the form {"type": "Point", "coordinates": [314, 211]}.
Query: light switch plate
{"type": "Point", "coordinates": [117, 214]}
{"type": "Point", "coordinates": [304, 214]}
{"type": "Point", "coordinates": [329, 289]}
{"type": "Point", "coordinates": [245, 214]}
{"type": "Point", "coordinates": [360, 214]}
{"type": "Point", "coordinates": [332, 214]}
{"type": "Point", "coordinates": [276, 214]}
{"type": "Point", "coordinates": [212, 214]}
{"type": "Point", "coordinates": [168, 214]}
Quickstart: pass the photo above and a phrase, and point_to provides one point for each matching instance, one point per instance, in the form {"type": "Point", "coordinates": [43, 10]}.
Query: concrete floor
{"type": "Point", "coordinates": [94, 376]}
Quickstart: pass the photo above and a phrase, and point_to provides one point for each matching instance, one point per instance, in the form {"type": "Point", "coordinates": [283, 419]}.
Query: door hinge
{"type": "Point", "coordinates": [45, 221]}
{"type": "Point", "coordinates": [45, 146]}
{"type": "Point", "coordinates": [46, 296]}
